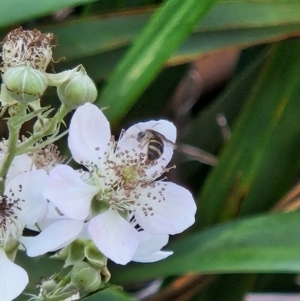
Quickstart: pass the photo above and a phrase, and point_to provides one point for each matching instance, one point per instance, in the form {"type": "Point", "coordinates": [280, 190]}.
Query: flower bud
{"type": "Point", "coordinates": [77, 89]}
{"type": "Point", "coordinates": [24, 83]}
{"type": "Point", "coordinates": [48, 285]}
{"type": "Point", "coordinates": [85, 277]}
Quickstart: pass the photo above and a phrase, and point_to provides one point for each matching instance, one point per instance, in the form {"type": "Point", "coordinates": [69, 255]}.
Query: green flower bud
{"type": "Point", "coordinates": [24, 83]}
{"type": "Point", "coordinates": [85, 277]}
{"type": "Point", "coordinates": [77, 89]}
{"type": "Point", "coordinates": [48, 286]}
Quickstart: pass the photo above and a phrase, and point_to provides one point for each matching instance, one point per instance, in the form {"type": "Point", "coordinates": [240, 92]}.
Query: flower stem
{"type": "Point", "coordinates": [11, 152]}
{"type": "Point", "coordinates": [52, 127]}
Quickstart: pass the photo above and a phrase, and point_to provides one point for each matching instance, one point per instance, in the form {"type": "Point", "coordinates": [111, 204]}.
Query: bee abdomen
{"type": "Point", "coordinates": [155, 148]}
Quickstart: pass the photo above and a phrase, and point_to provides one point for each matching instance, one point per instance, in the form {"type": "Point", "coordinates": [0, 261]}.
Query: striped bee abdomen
{"type": "Point", "coordinates": [155, 148]}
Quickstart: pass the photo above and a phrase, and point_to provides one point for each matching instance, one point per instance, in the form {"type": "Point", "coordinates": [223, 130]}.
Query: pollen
{"type": "Point", "coordinates": [129, 174]}
{"type": "Point", "coordinates": [10, 226]}
{"type": "Point", "coordinates": [47, 158]}
{"type": "Point", "coordinates": [122, 177]}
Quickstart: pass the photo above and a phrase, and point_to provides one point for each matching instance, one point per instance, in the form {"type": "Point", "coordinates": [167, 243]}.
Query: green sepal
{"type": "Point", "coordinates": [94, 256]}
{"type": "Point", "coordinates": [11, 249]}
{"type": "Point", "coordinates": [72, 253]}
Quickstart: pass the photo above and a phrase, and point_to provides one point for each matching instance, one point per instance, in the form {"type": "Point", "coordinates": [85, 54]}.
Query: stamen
{"type": "Point", "coordinates": [10, 226]}
{"type": "Point", "coordinates": [121, 174]}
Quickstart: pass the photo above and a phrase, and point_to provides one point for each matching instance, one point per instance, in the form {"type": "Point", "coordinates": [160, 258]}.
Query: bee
{"type": "Point", "coordinates": [155, 143]}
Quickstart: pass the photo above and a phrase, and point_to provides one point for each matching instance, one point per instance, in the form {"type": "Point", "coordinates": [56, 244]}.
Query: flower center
{"type": "Point", "coordinates": [47, 158]}
{"type": "Point", "coordinates": [129, 174]}
{"type": "Point", "coordinates": [120, 178]}
{"type": "Point", "coordinates": [10, 227]}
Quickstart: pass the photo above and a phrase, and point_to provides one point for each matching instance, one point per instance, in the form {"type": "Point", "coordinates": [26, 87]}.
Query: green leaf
{"type": "Point", "coordinates": [13, 11]}
{"type": "Point", "coordinates": [101, 58]}
{"type": "Point", "coordinates": [110, 295]}
{"type": "Point", "coordinates": [204, 131]}
{"type": "Point", "coordinates": [155, 45]}
{"type": "Point", "coordinates": [38, 268]}
{"type": "Point", "coordinates": [227, 287]}
{"type": "Point", "coordinates": [99, 43]}
{"type": "Point", "coordinates": [203, 42]}
{"type": "Point", "coordinates": [268, 243]}
{"type": "Point", "coordinates": [260, 161]}
{"type": "Point", "coordinates": [242, 22]}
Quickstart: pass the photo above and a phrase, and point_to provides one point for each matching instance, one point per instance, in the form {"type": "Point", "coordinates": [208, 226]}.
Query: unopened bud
{"type": "Point", "coordinates": [24, 83]}
{"type": "Point", "coordinates": [48, 285]}
{"type": "Point", "coordinates": [85, 277]}
{"type": "Point", "coordinates": [77, 90]}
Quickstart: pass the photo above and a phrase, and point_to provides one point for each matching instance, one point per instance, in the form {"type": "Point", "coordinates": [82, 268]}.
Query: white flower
{"type": "Point", "coordinates": [21, 204]}
{"type": "Point", "coordinates": [59, 231]}
{"type": "Point", "coordinates": [119, 193]}
{"type": "Point", "coordinates": [13, 278]}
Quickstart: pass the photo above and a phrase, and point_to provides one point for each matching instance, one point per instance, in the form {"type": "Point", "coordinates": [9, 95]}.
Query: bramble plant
{"type": "Point", "coordinates": [86, 215]}
{"type": "Point", "coordinates": [116, 207]}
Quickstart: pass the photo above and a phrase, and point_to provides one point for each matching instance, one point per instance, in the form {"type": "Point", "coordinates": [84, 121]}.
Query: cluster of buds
{"type": "Point", "coordinates": [26, 55]}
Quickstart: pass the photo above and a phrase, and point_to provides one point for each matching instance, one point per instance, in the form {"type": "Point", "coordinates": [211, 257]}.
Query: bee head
{"type": "Point", "coordinates": [140, 135]}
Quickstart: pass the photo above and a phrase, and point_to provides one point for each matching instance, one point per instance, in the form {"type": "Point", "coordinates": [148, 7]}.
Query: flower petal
{"type": "Point", "coordinates": [53, 216]}
{"type": "Point", "coordinates": [159, 255]}
{"type": "Point", "coordinates": [13, 278]}
{"type": "Point", "coordinates": [89, 134]}
{"type": "Point", "coordinates": [114, 236]}
{"type": "Point", "coordinates": [129, 144]}
{"type": "Point", "coordinates": [149, 244]}
{"type": "Point", "coordinates": [66, 190]}
{"type": "Point", "coordinates": [32, 203]}
{"type": "Point", "coordinates": [164, 127]}
{"type": "Point", "coordinates": [165, 208]}
{"type": "Point", "coordinates": [56, 236]}
{"type": "Point", "coordinates": [20, 164]}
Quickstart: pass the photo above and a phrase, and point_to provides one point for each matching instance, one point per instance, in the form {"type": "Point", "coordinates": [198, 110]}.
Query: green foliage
{"type": "Point", "coordinates": [123, 46]}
